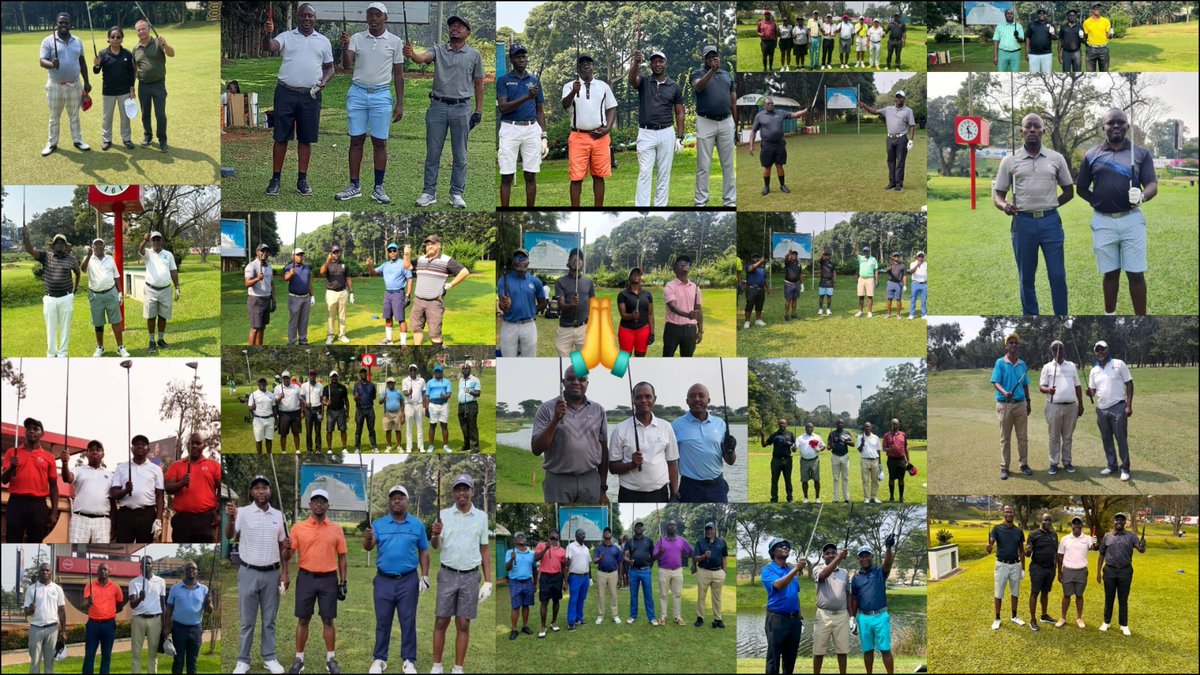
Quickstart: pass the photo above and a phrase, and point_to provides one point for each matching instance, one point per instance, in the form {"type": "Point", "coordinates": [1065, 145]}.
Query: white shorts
{"type": "Point", "coordinates": [860, 44]}
{"type": "Point", "coordinates": [1119, 242]}
{"type": "Point", "coordinates": [439, 412]}
{"type": "Point", "coordinates": [157, 303]}
{"type": "Point", "coordinates": [264, 428]}
{"type": "Point", "coordinates": [524, 140]}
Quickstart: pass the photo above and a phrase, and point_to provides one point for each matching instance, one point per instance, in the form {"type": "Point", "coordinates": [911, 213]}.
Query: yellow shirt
{"type": "Point", "coordinates": [814, 28]}
{"type": "Point", "coordinates": [1096, 31]}
{"type": "Point", "coordinates": [860, 29]}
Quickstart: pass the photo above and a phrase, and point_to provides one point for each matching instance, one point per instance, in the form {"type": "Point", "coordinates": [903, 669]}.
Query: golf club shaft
{"type": "Point", "coordinates": [636, 443]}
{"type": "Point", "coordinates": [91, 29]}
{"type": "Point", "coordinates": [139, 6]}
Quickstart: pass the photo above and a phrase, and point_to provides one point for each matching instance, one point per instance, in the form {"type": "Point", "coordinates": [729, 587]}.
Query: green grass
{"type": "Point", "coordinates": [249, 151]}
{"type": "Point", "coordinates": [719, 336]}
{"type": "Point", "coordinates": [469, 308]}
{"type": "Point", "coordinates": [192, 331]}
{"type": "Point", "coordinates": [839, 171]}
{"type": "Point", "coordinates": [238, 436]}
{"type": "Point", "coordinates": [760, 474]}
{"type": "Point", "coordinates": [122, 662]}
{"type": "Point", "coordinates": [839, 334]}
{"type": "Point", "coordinates": [1162, 616]}
{"type": "Point", "coordinates": [193, 117]}
{"type": "Point", "coordinates": [985, 280]}
{"type": "Point", "coordinates": [518, 475]}
{"type": "Point", "coordinates": [691, 649]}
{"type": "Point", "coordinates": [1163, 48]}
{"type": "Point", "coordinates": [554, 183]}
{"type": "Point", "coordinates": [356, 625]}
{"type": "Point", "coordinates": [750, 54]}
{"type": "Point", "coordinates": [854, 664]}
{"type": "Point", "coordinates": [964, 439]}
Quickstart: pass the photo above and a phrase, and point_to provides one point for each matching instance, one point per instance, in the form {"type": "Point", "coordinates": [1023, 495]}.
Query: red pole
{"type": "Point", "coordinates": [119, 250]}
{"type": "Point", "coordinates": [972, 176]}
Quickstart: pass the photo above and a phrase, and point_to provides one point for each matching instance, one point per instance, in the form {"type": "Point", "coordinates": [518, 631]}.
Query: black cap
{"type": "Point", "coordinates": [583, 57]}
{"type": "Point", "coordinates": [1077, 519]}
{"type": "Point", "coordinates": [451, 20]}
{"type": "Point", "coordinates": [517, 48]}
{"type": "Point", "coordinates": [260, 479]}
{"type": "Point", "coordinates": [828, 546]}
{"type": "Point", "coordinates": [31, 422]}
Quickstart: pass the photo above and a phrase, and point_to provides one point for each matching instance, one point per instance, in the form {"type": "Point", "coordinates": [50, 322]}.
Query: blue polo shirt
{"type": "Point", "coordinates": [1011, 377]}
{"type": "Point", "coordinates": [869, 589]}
{"type": "Point", "coordinates": [299, 282]}
{"type": "Point", "coordinates": [1107, 172]}
{"type": "Point", "coordinates": [525, 293]}
{"type": "Point", "coordinates": [699, 446]}
{"type": "Point", "coordinates": [392, 399]}
{"type": "Point", "coordinates": [512, 87]}
{"type": "Point", "coordinates": [758, 277]}
{"type": "Point", "coordinates": [609, 556]}
{"type": "Point", "coordinates": [187, 604]}
{"type": "Point", "coordinates": [437, 390]}
{"type": "Point", "coordinates": [395, 277]}
{"type": "Point", "coordinates": [522, 569]}
{"type": "Point", "coordinates": [787, 600]}
{"type": "Point", "coordinates": [399, 543]}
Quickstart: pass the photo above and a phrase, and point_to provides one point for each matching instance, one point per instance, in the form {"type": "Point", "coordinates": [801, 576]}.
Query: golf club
{"type": "Point", "coordinates": [808, 546]}
{"type": "Point", "coordinates": [849, 520]}
{"type": "Point", "coordinates": [728, 444]}
{"type": "Point", "coordinates": [127, 364]}
{"type": "Point", "coordinates": [92, 30]}
{"type": "Point", "coordinates": [139, 7]}
{"type": "Point", "coordinates": [636, 443]}
{"type": "Point", "coordinates": [404, 20]}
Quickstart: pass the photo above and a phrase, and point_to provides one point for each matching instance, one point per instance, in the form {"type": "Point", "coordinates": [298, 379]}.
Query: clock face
{"type": "Point", "coordinates": [111, 190]}
{"type": "Point", "coordinates": [968, 130]}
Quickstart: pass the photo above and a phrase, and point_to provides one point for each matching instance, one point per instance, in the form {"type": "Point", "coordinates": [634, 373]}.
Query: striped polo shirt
{"type": "Point", "coordinates": [56, 272]}
{"type": "Point", "coordinates": [432, 275]}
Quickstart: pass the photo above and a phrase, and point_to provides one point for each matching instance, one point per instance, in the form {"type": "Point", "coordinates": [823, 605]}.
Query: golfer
{"type": "Point", "coordinates": [264, 550]}
{"type": "Point", "coordinates": [869, 446]}
{"type": "Point", "coordinates": [608, 561]}
{"type": "Point", "coordinates": [648, 465]}
{"type": "Point", "coordinates": [579, 578]}
{"type": "Point", "coordinates": [311, 393]}
{"type": "Point", "coordinates": [1072, 562]}
{"type": "Point", "coordinates": [783, 444]}
{"type": "Point", "coordinates": [636, 307]}
{"type": "Point", "coordinates": [336, 399]}
{"type": "Point", "coordinates": [800, 40]}
{"type": "Point", "coordinates": [457, 76]}
{"type": "Point", "coordinates": [918, 273]}
{"type": "Point", "coordinates": [768, 126]}
{"type": "Point", "coordinates": [161, 273]}
{"type": "Point", "coordinates": [59, 265]}
{"type": "Point", "coordinates": [104, 295]}
{"type": "Point", "coordinates": [320, 546]}
{"type": "Point", "coordinates": [375, 55]}
{"type": "Point", "coordinates": [469, 391]}
{"type": "Point", "coordinates": [1035, 173]}
{"type": "Point", "coordinates": [549, 559]}
{"type": "Point", "coordinates": [684, 328]}
{"type": "Point", "coordinates": [187, 603]}
{"type": "Point", "coordinates": [845, 33]}
{"type": "Point", "coordinates": [814, 36]}
{"type": "Point", "coordinates": [895, 285]}
{"type": "Point", "coordinates": [1115, 571]}
{"type": "Point", "coordinates": [413, 388]}
{"type": "Point", "coordinates": [520, 297]}
{"type": "Point", "coordinates": [901, 128]}
{"type": "Point", "coordinates": [137, 487]}
{"type": "Point", "coordinates": [756, 290]}
{"type": "Point", "coordinates": [306, 68]}
{"type": "Point", "coordinates": [1116, 195]}
{"type": "Point", "coordinates": [31, 477]}
{"type": "Point", "coordinates": [793, 283]}
{"type": "Point", "coordinates": [593, 109]}
{"type": "Point", "coordinates": [461, 532]}
{"type": "Point", "coordinates": [91, 507]}
{"type": "Point", "coordinates": [708, 563]}
{"type": "Point", "coordinates": [704, 443]}
{"type": "Point", "coordinates": [288, 410]}
{"type": "Point", "coordinates": [437, 407]}
{"type": "Point", "coordinates": [671, 551]}
{"type": "Point", "coordinates": [261, 404]}
{"type": "Point", "coordinates": [393, 412]}
{"type": "Point", "coordinates": [397, 289]}
{"type": "Point", "coordinates": [147, 593]}
{"type": "Point", "coordinates": [1112, 386]}
{"type": "Point", "coordinates": [833, 619]}
{"type": "Point", "coordinates": [522, 132]}
{"type": "Point", "coordinates": [1070, 40]}
{"type": "Point", "coordinates": [897, 35]}
{"type": "Point", "coordinates": [300, 297]}
{"type": "Point", "coordinates": [150, 57]}
{"type": "Point", "coordinates": [1059, 380]}
{"type": "Point", "coordinates": [403, 554]}
{"type": "Point", "coordinates": [46, 606]}
{"type": "Point", "coordinates": [868, 271]}
{"type": "Point", "coordinates": [829, 33]}
{"type": "Point", "coordinates": [875, 38]}
{"type": "Point", "coordinates": [193, 482]}
{"type": "Point", "coordinates": [639, 558]}
{"type": "Point", "coordinates": [1042, 550]}
{"type": "Point", "coordinates": [1008, 541]}
{"type": "Point", "coordinates": [436, 274]}
{"type": "Point", "coordinates": [840, 441]}
{"type": "Point", "coordinates": [783, 625]}
{"type": "Point", "coordinates": [118, 76]}
{"type": "Point", "coordinates": [364, 393]}
{"type": "Point", "coordinates": [1007, 39]}
{"type": "Point", "coordinates": [260, 293]}
{"type": "Point", "coordinates": [810, 446]}
{"type": "Point", "coordinates": [570, 292]}
{"type": "Point", "coordinates": [768, 38]}
{"type": "Point", "coordinates": [339, 290]}
{"type": "Point", "coordinates": [102, 599]}
{"type": "Point", "coordinates": [1010, 379]}
{"type": "Point", "coordinates": [1098, 31]}
{"type": "Point", "coordinates": [828, 274]}
{"type": "Point", "coordinates": [1039, 35]}
{"type": "Point", "coordinates": [895, 445]}
{"type": "Point", "coordinates": [868, 604]}
{"type": "Point", "coordinates": [861, 30]}
{"type": "Point", "coordinates": [660, 126]}
{"type": "Point", "coordinates": [571, 432]}
{"type": "Point", "coordinates": [62, 57]}
{"type": "Point", "coordinates": [786, 43]}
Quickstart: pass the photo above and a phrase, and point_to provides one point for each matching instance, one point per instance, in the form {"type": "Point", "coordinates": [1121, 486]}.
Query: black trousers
{"type": "Point", "coordinates": [1116, 585]}
{"type": "Point", "coordinates": [894, 48]}
{"type": "Point", "coordinates": [134, 526]}
{"type": "Point", "coordinates": [26, 517]}
{"type": "Point", "coordinates": [658, 496]}
{"type": "Point", "coordinates": [362, 415]}
{"type": "Point", "coordinates": [783, 641]}
{"type": "Point", "coordinates": [468, 418]}
{"type": "Point", "coordinates": [192, 528]}
{"type": "Point", "coordinates": [187, 641]}
{"type": "Point", "coordinates": [827, 51]}
{"type": "Point", "coordinates": [679, 337]}
{"type": "Point", "coordinates": [897, 155]}
{"type": "Point", "coordinates": [781, 465]}
{"type": "Point", "coordinates": [312, 428]}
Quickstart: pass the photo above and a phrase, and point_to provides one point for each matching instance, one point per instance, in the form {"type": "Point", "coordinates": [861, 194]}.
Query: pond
{"type": "Point", "coordinates": [908, 634]}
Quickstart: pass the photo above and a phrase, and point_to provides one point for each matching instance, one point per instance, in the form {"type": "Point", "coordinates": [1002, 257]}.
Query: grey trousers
{"type": "Point", "coordinates": [117, 103]}
{"type": "Point", "coordinates": [441, 118]}
{"type": "Point", "coordinates": [1114, 426]}
{"type": "Point", "coordinates": [257, 590]}
{"type": "Point", "coordinates": [567, 488]}
{"type": "Point", "coordinates": [298, 309]}
{"type": "Point", "coordinates": [710, 133]}
{"type": "Point", "coordinates": [1061, 418]}
{"type": "Point", "coordinates": [42, 640]}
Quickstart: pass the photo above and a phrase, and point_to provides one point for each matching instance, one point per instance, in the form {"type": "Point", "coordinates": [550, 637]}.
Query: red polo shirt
{"type": "Point", "coordinates": [201, 495]}
{"type": "Point", "coordinates": [104, 600]}
{"type": "Point", "coordinates": [34, 472]}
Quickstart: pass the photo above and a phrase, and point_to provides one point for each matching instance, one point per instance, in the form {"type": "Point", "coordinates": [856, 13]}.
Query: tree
{"type": "Point", "coordinates": [772, 393]}
{"type": "Point", "coordinates": [751, 532]}
{"type": "Point", "coordinates": [186, 402]}
{"type": "Point", "coordinates": [943, 339]}
{"type": "Point", "coordinates": [529, 407]}
{"type": "Point", "coordinates": [1177, 509]}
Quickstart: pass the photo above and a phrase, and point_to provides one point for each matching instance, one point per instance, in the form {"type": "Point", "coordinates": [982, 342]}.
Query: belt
{"type": "Point", "coordinates": [711, 569]}
{"type": "Point", "coordinates": [722, 118]}
{"type": "Point", "coordinates": [872, 612]}
{"type": "Point", "coordinates": [580, 574]}
{"type": "Point", "coordinates": [372, 90]}
{"type": "Point", "coordinates": [1037, 214]}
{"type": "Point", "coordinates": [520, 123]}
{"type": "Point", "coordinates": [147, 616]}
{"type": "Point", "coordinates": [831, 611]}
{"type": "Point", "coordinates": [447, 567]}
{"type": "Point", "coordinates": [1117, 214]}
{"type": "Point", "coordinates": [1006, 562]}
{"type": "Point", "coordinates": [1117, 567]}
{"type": "Point", "coordinates": [298, 90]}
{"type": "Point", "coordinates": [289, 412]}
{"type": "Point", "coordinates": [710, 481]}
{"type": "Point", "coordinates": [462, 403]}
{"type": "Point", "coordinates": [655, 127]}
{"type": "Point", "coordinates": [395, 576]}
{"type": "Point", "coordinates": [1010, 51]}
{"type": "Point", "coordinates": [786, 615]}
{"type": "Point", "coordinates": [583, 131]}
{"type": "Point", "coordinates": [393, 290]}
{"type": "Point", "coordinates": [318, 575]}
{"type": "Point", "coordinates": [68, 83]}
{"type": "Point", "coordinates": [62, 295]}
{"type": "Point", "coordinates": [265, 417]}
{"type": "Point", "coordinates": [897, 135]}
{"type": "Point", "coordinates": [448, 101]}
{"type": "Point", "coordinates": [1064, 402]}
{"type": "Point", "coordinates": [521, 321]}
{"type": "Point", "coordinates": [430, 299]}
{"type": "Point", "coordinates": [158, 288]}
{"type": "Point", "coordinates": [89, 515]}
{"type": "Point", "coordinates": [755, 285]}
{"type": "Point", "coordinates": [261, 568]}
{"type": "Point", "coordinates": [135, 508]}
{"type": "Point", "coordinates": [643, 567]}
{"type": "Point", "coordinates": [106, 289]}
{"type": "Point", "coordinates": [298, 295]}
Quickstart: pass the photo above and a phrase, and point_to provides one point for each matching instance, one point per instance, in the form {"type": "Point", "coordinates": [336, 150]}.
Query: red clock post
{"type": "Point", "coordinates": [973, 132]}
{"type": "Point", "coordinates": [117, 200]}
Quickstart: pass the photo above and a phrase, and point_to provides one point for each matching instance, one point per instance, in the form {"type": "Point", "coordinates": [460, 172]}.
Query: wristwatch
{"type": "Point", "coordinates": [604, 487]}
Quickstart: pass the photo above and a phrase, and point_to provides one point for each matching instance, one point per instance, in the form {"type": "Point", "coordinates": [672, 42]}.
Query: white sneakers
{"type": "Point", "coordinates": [409, 667]}
{"type": "Point", "coordinates": [1017, 620]}
{"type": "Point", "coordinates": [805, 501]}
{"type": "Point", "coordinates": [1125, 631]}
{"type": "Point", "coordinates": [870, 314]}
{"type": "Point", "coordinates": [746, 325]}
{"type": "Point", "coordinates": [1104, 472]}
{"type": "Point", "coordinates": [274, 666]}
{"type": "Point", "coordinates": [858, 314]}
{"type": "Point", "coordinates": [121, 351]}
{"type": "Point", "coordinates": [378, 666]}
{"type": "Point", "coordinates": [1103, 628]}
{"type": "Point", "coordinates": [617, 620]}
{"type": "Point", "coordinates": [996, 624]}
{"type": "Point", "coordinates": [1124, 475]}
{"type": "Point", "coordinates": [446, 449]}
{"type": "Point", "coordinates": [599, 620]}
{"type": "Point", "coordinates": [344, 339]}
{"type": "Point", "coordinates": [817, 500]}
{"type": "Point", "coordinates": [241, 668]}
{"type": "Point", "coordinates": [426, 200]}
{"type": "Point", "coordinates": [99, 351]}
{"type": "Point", "coordinates": [875, 500]}
{"type": "Point", "coordinates": [437, 667]}
{"type": "Point", "coordinates": [759, 322]}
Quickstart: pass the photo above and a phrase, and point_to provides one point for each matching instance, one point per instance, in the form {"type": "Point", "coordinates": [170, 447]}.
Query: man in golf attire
{"type": "Point", "coordinates": [300, 297]}
{"type": "Point", "coordinates": [839, 460]}
{"type": "Point", "coordinates": [1064, 406]}
{"type": "Point", "coordinates": [264, 549]}
{"type": "Point", "coordinates": [469, 391]}
{"type": "Point", "coordinates": [593, 108]}
{"type": "Point", "coordinates": [571, 290]}
{"type": "Point", "coordinates": [397, 289]}
{"type": "Point", "coordinates": [716, 124]}
{"type": "Point", "coordinates": [1112, 386]}
{"type": "Point", "coordinates": [1070, 40]}
{"type": "Point", "coordinates": [522, 133]}
{"type": "Point", "coordinates": [769, 122]}
{"type": "Point", "coordinates": [833, 619]}
{"type": "Point", "coordinates": [461, 533]}
{"type": "Point", "coordinates": [1115, 570]}
{"type": "Point", "coordinates": [147, 592]}
{"type": "Point", "coordinates": [1007, 39]}
{"type": "Point", "coordinates": [60, 277]}
{"type": "Point", "coordinates": [868, 604]}
{"type": "Point", "coordinates": [393, 412]}
{"type": "Point", "coordinates": [1073, 572]}
{"type": "Point", "coordinates": [868, 270]}
{"type": "Point", "coordinates": [709, 557]}
{"type": "Point", "coordinates": [1042, 549]}
{"type": "Point", "coordinates": [320, 547]}
{"type": "Point", "coordinates": [150, 57]}
{"type": "Point", "coordinates": [311, 393]}
{"type": "Point", "coordinates": [1008, 540]}
{"type": "Point", "coordinates": [810, 445]}
{"type": "Point", "coordinates": [1010, 379]}
{"type": "Point", "coordinates": [901, 128]}
{"type": "Point", "coordinates": [161, 273]}
{"type": "Point", "coordinates": [46, 606]}
{"type": "Point", "coordinates": [436, 274]}
{"type": "Point", "coordinates": [660, 126]}
{"type": "Point", "coordinates": [1098, 31]}
{"type": "Point", "coordinates": [339, 289]}
{"type": "Point", "coordinates": [104, 295]}
{"type": "Point", "coordinates": [784, 624]}
{"type": "Point", "coordinates": [437, 407]}
{"type": "Point", "coordinates": [520, 297]}
{"type": "Point", "coordinates": [1039, 35]}
{"type": "Point", "coordinates": [869, 446]}
{"type": "Point", "coordinates": [413, 388]}
{"type": "Point", "coordinates": [91, 506]}
{"type": "Point", "coordinates": [62, 57]}
{"type": "Point", "coordinates": [671, 551]}
{"type": "Point", "coordinates": [403, 554]}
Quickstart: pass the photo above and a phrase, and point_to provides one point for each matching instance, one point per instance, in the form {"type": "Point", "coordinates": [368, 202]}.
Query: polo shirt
{"type": "Point", "coordinates": [785, 31]}
{"type": "Point", "coordinates": [875, 34]}
{"type": "Point", "coordinates": [319, 544]}
{"type": "Point", "coordinates": [785, 600]}
{"type": "Point", "coordinates": [861, 29]}
{"type": "Point", "coordinates": [469, 390]}
{"type": "Point", "coordinates": [415, 387]}
{"type": "Point", "coordinates": [1036, 180]}
{"type": "Point", "coordinates": [159, 265]}
{"type": "Point", "coordinates": [91, 488]}
{"type": "Point", "coordinates": [462, 535]}
{"type": "Point", "coordinates": [311, 393]}
{"type": "Point", "coordinates": [1108, 380]}
{"type": "Point", "coordinates": [1009, 35]}
{"type": "Point", "coordinates": [808, 450]}
{"type": "Point", "coordinates": [895, 444]}
{"type": "Point", "coordinates": [565, 290]}
{"type": "Point", "coordinates": [105, 598]}
{"type": "Point", "coordinates": [699, 446]}
{"type": "Point", "coordinates": [102, 273]}
{"type": "Point", "coordinates": [399, 544]}
{"type": "Point", "coordinates": [686, 297]}
{"type": "Point", "coordinates": [1074, 550]}
{"type": "Point", "coordinates": [147, 480]}
{"type": "Point", "coordinates": [837, 446]}
{"type": "Point", "coordinates": [395, 275]}
{"type": "Point", "coordinates": [392, 399]}
{"type": "Point", "coordinates": [896, 31]}
{"type": "Point", "coordinates": [814, 28]}
{"type": "Point", "coordinates": [869, 444]}
{"type": "Point", "coordinates": [552, 558]}
{"type": "Point", "coordinates": [374, 57]}
{"type": "Point", "coordinates": [455, 70]}
{"type": "Point", "coordinates": [827, 270]}
{"type": "Point", "coordinates": [579, 558]}
{"type": "Point", "coordinates": [522, 569]}
{"type": "Point", "coordinates": [831, 591]}
{"type": "Point", "coordinates": [438, 391]}
{"type": "Point", "coordinates": [1013, 377]}
{"type": "Point", "coordinates": [608, 557]}
{"type": "Point", "coordinates": [800, 35]}
{"type": "Point", "coordinates": [1068, 36]}
{"type": "Point", "coordinates": [1117, 549]}
{"type": "Point", "coordinates": [757, 276]}
{"type": "Point", "coordinates": [68, 52]}
{"type": "Point", "coordinates": [34, 472]}
{"type": "Point", "coordinates": [261, 402]}
{"type": "Point", "coordinates": [287, 397]}
{"type": "Point", "coordinates": [657, 101]}
{"type": "Point", "coordinates": [432, 275]}
{"type": "Point", "coordinates": [1064, 377]}
{"type": "Point", "coordinates": [919, 272]}
{"type": "Point", "coordinates": [641, 552]}
{"type": "Point", "coordinates": [845, 30]}
{"type": "Point", "coordinates": [151, 62]}
{"type": "Point", "coordinates": [303, 57]}
{"type": "Point", "coordinates": [58, 273]}
{"type": "Point", "coordinates": [635, 303]}
{"type": "Point", "coordinates": [1008, 541]}
{"type": "Point", "coordinates": [870, 589]}
{"type": "Point", "coordinates": [672, 552]}
{"type": "Point", "coordinates": [769, 125]}
{"type": "Point", "coordinates": [782, 443]}
{"type": "Point", "coordinates": [1038, 34]}
{"type": "Point", "coordinates": [300, 281]}
{"type": "Point", "coordinates": [589, 109]}
{"type": "Point", "coordinates": [364, 395]}
{"type": "Point", "coordinates": [524, 291]}
{"type": "Point", "coordinates": [511, 87]}
{"type": "Point", "coordinates": [767, 29]}
{"type": "Point", "coordinates": [259, 533]}
{"type": "Point", "coordinates": [576, 447]}
{"type": "Point", "coordinates": [1096, 30]}
{"type": "Point", "coordinates": [46, 599]}
{"type": "Point", "coordinates": [867, 266]}
{"type": "Point", "coordinates": [337, 394]}
{"type": "Point", "coordinates": [118, 72]}
{"type": "Point", "coordinates": [201, 495]}
{"type": "Point", "coordinates": [899, 120]}
{"type": "Point", "coordinates": [187, 603]}
{"type": "Point", "coordinates": [713, 101]}
{"type": "Point", "coordinates": [335, 276]}
{"type": "Point", "coordinates": [156, 590]}
{"type": "Point", "coordinates": [895, 272]}
{"type": "Point", "coordinates": [1045, 548]}
{"type": "Point", "coordinates": [260, 289]}
{"type": "Point", "coordinates": [792, 271]}
{"type": "Point", "coordinates": [1106, 172]}
{"type": "Point", "coordinates": [657, 443]}
{"type": "Point", "coordinates": [719, 552]}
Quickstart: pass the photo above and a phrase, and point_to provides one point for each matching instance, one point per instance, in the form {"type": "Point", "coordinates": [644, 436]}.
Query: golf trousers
{"type": "Point", "coordinates": [781, 465]}
{"type": "Point", "coordinates": [894, 48]}
{"type": "Point", "coordinates": [679, 337]}
{"type": "Point", "coordinates": [607, 591]}
{"type": "Point", "coordinates": [298, 309]}
{"type": "Point", "coordinates": [147, 630]}
{"type": "Point", "coordinates": [468, 420]}
{"type": "Point", "coordinates": [312, 429]}
{"type": "Point", "coordinates": [335, 303]}
{"type": "Point", "coordinates": [1097, 59]}
{"type": "Point", "coordinates": [57, 313]}
{"type": "Point", "coordinates": [115, 103]}
{"type": "Point", "coordinates": [412, 417]}
{"type": "Point", "coordinates": [870, 477]}
{"type": "Point", "coordinates": [442, 119]}
{"type": "Point", "coordinates": [188, 640]}
{"type": "Point", "coordinates": [814, 52]}
{"type": "Point", "coordinates": [897, 156]}
{"type": "Point", "coordinates": [578, 585]}
{"type": "Point", "coordinates": [1060, 419]}
{"type": "Point", "coordinates": [783, 641]}
{"type": "Point", "coordinates": [718, 133]}
{"type": "Point", "coordinates": [518, 339]}
{"type": "Point", "coordinates": [873, 60]}
{"type": "Point", "coordinates": [920, 289]}
{"type": "Point", "coordinates": [25, 519]}
{"type": "Point", "coordinates": [1072, 62]}
{"type": "Point", "coordinates": [61, 96]}
{"type": "Point", "coordinates": [1029, 234]}
{"type": "Point", "coordinates": [1008, 61]}
{"type": "Point", "coordinates": [640, 577]}
{"type": "Point", "coordinates": [100, 634]}
{"type": "Point", "coordinates": [364, 415]}
{"type": "Point", "coordinates": [841, 475]}
{"type": "Point", "coordinates": [154, 94]}
{"type": "Point", "coordinates": [655, 152]}
{"type": "Point", "coordinates": [670, 588]}
{"type": "Point", "coordinates": [1116, 584]}
{"type": "Point", "coordinates": [1013, 415]}
{"type": "Point", "coordinates": [257, 589]}
{"type": "Point", "coordinates": [711, 582]}
{"type": "Point", "coordinates": [1114, 426]}
{"type": "Point", "coordinates": [827, 51]}
{"type": "Point", "coordinates": [396, 598]}
{"type": "Point", "coordinates": [1040, 63]}
{"type": "Point", "coordinates": [42, 641]}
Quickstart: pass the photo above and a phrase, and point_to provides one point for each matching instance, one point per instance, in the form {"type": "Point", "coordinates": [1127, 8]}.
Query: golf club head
{"type": "Point", "coordinates": [192, 364]}
{"type": "Point", "coordinates": [127, 364]}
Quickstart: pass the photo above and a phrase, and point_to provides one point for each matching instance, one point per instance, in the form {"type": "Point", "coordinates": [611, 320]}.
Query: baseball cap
{"type": "Point", "coordinates": [658, 54]}
{"type": "Point", "coordinates": [828, 546]}
{"type": "Point", "coordinates": [1077, 519]}
{"type": "Point", "coordinates": [333, 373]}
{"type": "Point", "coordinates": [393, 246]}
{"type": "Point", "coordinates": [312, 371]}
{"type": "Point", "coordinates": [433, 238]}
{"type": "Point", "coordinates": [413, 366]}
{"type": "Point", "coordinates": [920, 254]}
{"type": "Point", "coordinates": [708, 49]}
{"type": "Point", "coordinates": [286, 373]}
{"type": "Point", "coordinates": [710, 526]}
{"type": "Point", "coordinates": [519, 252]}
{"type": "Point", "coordinates": [517, 48]}
{"type": "Point", "coordinates": [778, 542]}
{"type": "Point", "coordinates": [156, 233]}
{"type": "Point", "coordinates": [260, 479]}
{"type": "Point", "coordinates": [263, 380]}
{"type": "Point", "coordinates": [335, 249]}
{"type": "Point", "coordinates": [1041, 10]}
{"type": "Point", "coordinates": [463, 479]}
{"type": "Point", "coordinates": [261, 247]}
{"type": "Point", "coordinates": [845, 16]}
{"type": "Point", "coordinates": [895, 254]}
{"type": "Point", "coordinates": [398, 488]}
{"type": "Point", "coordinates": [318, 493]}
{"type": "Point", "coordinates": [900, 94]}
{"type": "Point", "coordinates": [391, 379]}
{"type": "Point", "coordinates": [469, 363]}
{"type": "Point", "coordinates": [85, 101]}
{"type": "Point", "coordinates": [379, 6]}
{"type": "Point", "coordinates": [97, 240]}
{"type": "Point", "coordinates": [864, 549]}
{"type": "Point", "coordinates": [297, 251]}
{"type": "Point", "coordinates": [1121, 515]}
{"type": "Point", "coordinates": [438, 367]}
{"type": "Point", "coordinates": [451, 20]}
{"type": "Point", "coordinates": [1100, 343]}
{"type": "Point", "coordinates": [866, 248]}
{"type": "Point", "coordinates": [1013, 336]}
{"type": "Point", "coordinates": [583, 57]}
{"type": "Point", "coordinates": [1056, 342]}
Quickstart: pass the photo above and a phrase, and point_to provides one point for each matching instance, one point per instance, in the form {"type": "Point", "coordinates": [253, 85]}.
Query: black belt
{"type": "Point", "coordinates": [520, 123]}
{"type": "Point", "coordinates": [265, 417]}
{"type": "Point", "coordinates": [583, 131]}
{"type": "Point", "coordinates": [711, 569]}
{"type": "Point", "coordinates": [1006, 562]}
{"type": "Point", "coordinates": [89, 515]}
{"type": "Point", "coordinates": [872, 612]}
{"type": "Point", "coordinates": [468, 403]}
{"type": "Point", "coordinates": [147, 616]}
{"type": "Point", "coordinates": [395, 576]}
{"type": "Point", "coordinates": [261, 568]}
{"type": "Point", "coordinates": [786, 615]}
{"type": "Point", "coordinates": [722, 118]}
{"type": "Point", "coordinates": [290, 412]}
{"type": "Point", "coordinates": [318, 575]}
{"type": "Point", "coordinates": [580, 574]}
{"type": "Point", "coordinates": [61, 295]}
{"type": "Point", "coordinates": [395, 290]}
{"type": "Point", "coordinates": [447, 567]}
{"type": "Point", "coordinates": [643, 567]}
{"type": "Point", "coordinates": [520, 321]}
{"type": "Point", "coordinates": [1117, 567]}
{"type": "Point", "coordinates": [655, 127]}
{"type": "Point", "coordinates": [298, 90]}
{"type": "Point", "coordinates": [1064, 402]}
{"type": "Point", "coordinates": [710, 481]}
{"type": "Point", "coordinates": [158, 288]}
{"type": "Point", "coordinates": [1071, 51]}
{"type": "Point", "coordinates": [448, 101]}
{"type": "Point", "coordinates": [106, 289]}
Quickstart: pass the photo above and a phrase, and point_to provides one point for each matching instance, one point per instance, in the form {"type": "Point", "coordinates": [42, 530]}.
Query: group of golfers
{"type": "Point", "coordinates": [814, 39]}
{"type": "Point", "coordinates": [1037, 39]}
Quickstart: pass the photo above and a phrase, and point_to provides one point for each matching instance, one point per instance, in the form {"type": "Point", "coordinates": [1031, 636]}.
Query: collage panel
{"type": "Point", "coordinates": [545, 560]}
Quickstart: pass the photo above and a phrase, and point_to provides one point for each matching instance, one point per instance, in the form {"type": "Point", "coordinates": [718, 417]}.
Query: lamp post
{"type": "Point", "coordinates": [195, 366]}
{"type": "Point", "coordinates": [127, 364]}
{"type": "Point", "coordinates": [829, 396]}
{"type": "Point", "coordinates": [249, 377]}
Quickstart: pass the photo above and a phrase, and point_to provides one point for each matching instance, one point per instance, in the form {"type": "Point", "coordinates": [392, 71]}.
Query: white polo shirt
{"type": "Point", "coordinates": [806, 450]}
{"type": "Point", "coordinates": [147, 478]}
{"type": "Point", "coordinates": [102, 273]}
{"type": "Point", "coordinates": [1064, 377]}
{"type": "Point", "coordinates": [1074, 550]}
{"type": "Point", "coordinates": [159, 267]}
{"type": "Point", "coordinates": [1109, 382]}
{"type": "Point", "coordinates": [413, 390]}
{"type": "Point", "coordinates": [288, 397]}
{"type": "Point", "coordinates": [870, 446]}
{"type": "Point", "coordinates": [259, 533]}
{"type": "Point", "coordinates": [156, 590]}
{"type": "Point", "coordinates": [658, 445]}
{"type": "Point", "coordinates": [311, 392]}
{"type": "Point", "coordinates": [261, 403]}
{"type": "Point", "coordinates": [46, 599]}
{"type": "Point", "coordinates": [589, 109]}
{"type": "Point", "coordinates": [580, 557]}
{"type": "Point", "coordinates": [303, 57]}
{"type": "Point", "coordinates": [374, 57]}
{"type": "Point", "coordinates": [91, 491]}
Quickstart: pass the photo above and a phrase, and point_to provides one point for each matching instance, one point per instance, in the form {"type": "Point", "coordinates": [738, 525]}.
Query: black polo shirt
{"type": "Point", "coordinates": [781, 444]}
{"type": "Point", "coordinates": [1038, 34]}
{"type": "Point", "coordinates": [713, 101]}
{"type": "Point", "coordinates": [337, 394]}
{"type": "Point", "coordinates": [792, 271]}
{"type": "Point", "coordinates": [656, 101]}
{"type": "Point", "coordinates": [719, 551]}
{"type": "Point", "coordinates": [640, 551]}
{"type": "Point", "coordinates": [1045, 548]}
{"type": "Point", "coordinates": [1008, 542]}
{"type": "Point", "coordinates": [1068, 35]}
{"type": "Point", "coordinates": [1106, 171]}
{"type": "Point", "coordinates": [837, 446]}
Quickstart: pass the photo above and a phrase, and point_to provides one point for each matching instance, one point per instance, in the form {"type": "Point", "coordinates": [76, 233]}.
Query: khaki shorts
{"type": "Point", "coordinates": [393, 421]}
{"type": "Point", "coordinates": [567, 340]}
{"type": "Point", "coordinates": [157, 303]}
{"type": "Point", "coordinates": [427, 312]}
{"type": "Point", "coordinates": [832, 626]}
{"type": "Point", "coordinates": [866, 286]}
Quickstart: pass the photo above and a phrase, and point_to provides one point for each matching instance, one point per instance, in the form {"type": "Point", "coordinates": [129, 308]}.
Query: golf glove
{"type": "Point", "coordinates": [1110, 32]}
{"type": "Point", "coordinates": [678, 145]}
{"type": "Point", "coordinates": [312, 300]}
{"type": "Point", "coordinates": [120, 298]}
{"type": "Point", "coordinates": [476, 118]}
{"type": "Point", "coordinates": [447, 286]}
{"type": "Point", "coordinates": [485, 591]}
{"type": "Point", "coordinates": [1022, 572]}
{"type": "Point", "coordinates": [591, 582]}
{"type": "Point", "coordinates": [650, 339]}
{"type": "Point", "coordinates": [424, 586]}
{"type": "Point", "coordinates": [352, 298]}
{"type": "Point", "coordinates": [890, 541]}
{"type": "Point", "coordinates": [1135, 196]}
{"type": "Point", "coordinates": [1081, 35]}
{"type": "Point", "coordinates": [545, 147]}
{"type": "Point", "coordinates": [316, 89]}
{"type": "Point", "coordinates": [341, 592]}
{"type": "Point", "coordinates": [1051, 30]}
{"type": "Point", "coordinates": [854, 625]}
{"type": "Point", "coordinates": [910, 143]}
{"type": "Point", "coordinates": [176, 292]}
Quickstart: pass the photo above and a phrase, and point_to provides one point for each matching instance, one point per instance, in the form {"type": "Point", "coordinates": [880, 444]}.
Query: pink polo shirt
{"type": "Point", "coordinates": [685, 297]}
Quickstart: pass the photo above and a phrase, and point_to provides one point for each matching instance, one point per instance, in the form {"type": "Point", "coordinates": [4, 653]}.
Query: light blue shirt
{"type": "Point", "coordinates": [68, 54]}
{"type": "Point", "coordinates": [395, 277]}
{"type": "Point", "coordinates": [399, 543]}
{"type": "Point", "coordinates": [469, 389]}
{"type": "Point", "coordinates": [1013, 377]}
{"type": "Point", "coordinates": [392, 400]}
{"type": "Point", "coordinates": [699, 446]}
{"type": "Point", "coordinates": [522, 566]}
{"type": "Point", "coordinates": [438, 389]}
{"type": "Point", "coordinates": [187, 604]}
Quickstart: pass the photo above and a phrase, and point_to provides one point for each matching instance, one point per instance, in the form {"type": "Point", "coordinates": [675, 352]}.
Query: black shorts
{"type": "Point", "coordinates": [773, 153]}
{"type": "Point", "coordinates": [755, 295]}
{"type": "Point", "coordinates": [259, 309]}
{"type": "Point", "coordinates": [785, 44]}
{"type": "Point", "coordinates": [768, 46]}
{"type": "Point", "coordinates": [297, 115]}
{"type": "Point", "coordinates": [335, 419]}
{"type": "Point", "coordinates": [321, 590]}
{"type": "Point", "coordinates": [550, 587]}
{"type": "Point", "coordinates": [289, 422]}
{"type": "Point", "coordinates": [1041, 579]}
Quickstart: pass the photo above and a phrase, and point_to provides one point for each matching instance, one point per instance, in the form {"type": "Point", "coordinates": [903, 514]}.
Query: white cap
{"type": "Point", "coordinates": [297, 251]}
{"type": "Point", "coordinates": [379, 6]}
{"type": "Point", "coordinates": [1100, 343]}
{"type": "Point", "coordinates": [901, 94]}
{"type": "Point", "coordinates": [333, 373]}
{"type": "Point", "coordinates": [286, 373]}
{"type": "Point", "coordinates": [398, 488]}
{"type": "Point", "coordinates": [155, 233]}
{"type": "Point", "coordinates": [469, 363]}
{"type": "Point", "coordinates": [318, 493]}
{"type": "Point", "coordinates": [413, 366]}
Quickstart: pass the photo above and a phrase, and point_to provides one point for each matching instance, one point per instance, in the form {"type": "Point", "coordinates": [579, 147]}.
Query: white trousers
{"type": "Point", "coordinates": [57, 312]}
{"type": "Point", "coordinates": [413, 415]}
{"type": "Point", "coordinates": [656, 151]}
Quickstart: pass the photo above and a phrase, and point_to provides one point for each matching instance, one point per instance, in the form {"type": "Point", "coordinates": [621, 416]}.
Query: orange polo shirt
{"type": "Point", "coordinates": [201, 495]}
{"type": "Point", "coordinates": [35, 470]}
{"type": "Point", "coordinates": [318, 545]}
{"type": "Point", "coordinates": [104, 600]}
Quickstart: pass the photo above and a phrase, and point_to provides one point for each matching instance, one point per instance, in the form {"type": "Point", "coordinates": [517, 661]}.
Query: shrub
{"type": "Point", "coordinates": [944, 537]}
{"type": "Point", "coordinates": [466, 252]}
{"type": "Point", "coordinates": [1120, 23]}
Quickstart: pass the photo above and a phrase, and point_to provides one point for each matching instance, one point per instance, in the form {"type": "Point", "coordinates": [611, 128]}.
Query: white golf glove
{"type": "Point", "coordinates": [312, 300]}
{"type": "Point", "coordinates": [678, 145]}
{"type": "Point", "coordinates": [545, 147]}
{"type": "Point", "coordinates": [1052, 30]}
{"type": "Point", "coordinates": [910, 144]}
{"type": "Point", "coordinates": [1110, 32]}
{"type": "Point", "coordinates": [1081, 35]}
{"type": "Point", "coordinates": [1022, 573]}
{"type": "Point", "coordinates": [352, 298]}
{"type": "Point", "coordinates": [316, 89]}
{"type": "Point", "coordinates": [447, 286]}
{"type": "Point", "coordinates": [423, 586]}
{"type": "Point", "coordinates": [591, 582]}
{"type": "Point", "coordinates": [485, 591]}
{"type": "Point", "coordinates": [1135, 196]}
{"type": "Point", "coordinates": [854, 625]}
{"type": "Point", "coordinates": [176, 292]}
{"type": "Point", "coordinates": [120, 298]}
